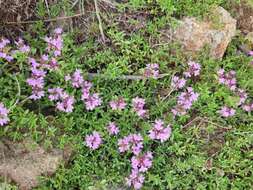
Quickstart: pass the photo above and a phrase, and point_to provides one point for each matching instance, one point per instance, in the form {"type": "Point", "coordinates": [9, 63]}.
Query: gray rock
{"type": "Point", "coordinates": [24, 162]}
{"type": "Point", "coordinates": [194, 34]}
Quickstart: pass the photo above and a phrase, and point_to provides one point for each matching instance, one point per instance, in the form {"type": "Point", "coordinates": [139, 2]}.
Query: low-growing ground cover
{"type": "Point", "coordinates": [149, 117]}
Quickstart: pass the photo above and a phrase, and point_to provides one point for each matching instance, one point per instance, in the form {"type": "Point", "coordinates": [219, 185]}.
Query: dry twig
{"type": "Point", "coordinates": [99, 21]}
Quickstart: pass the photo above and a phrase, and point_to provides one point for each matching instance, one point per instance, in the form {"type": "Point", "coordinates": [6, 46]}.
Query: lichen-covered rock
{"type": "Point", "coordinates": [24, 162]}
{"type": "Point", "coordinates": [194, 34]}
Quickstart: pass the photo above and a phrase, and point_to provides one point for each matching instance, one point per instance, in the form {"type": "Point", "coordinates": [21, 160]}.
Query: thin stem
{"type": "Point", "coordinates": [99, 21]}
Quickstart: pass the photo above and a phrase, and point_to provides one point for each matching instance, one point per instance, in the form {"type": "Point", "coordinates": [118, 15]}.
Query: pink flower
{"type": "Point", "coordinates": [250, 53]}
{"type": "Point", "coordinates": [152, 70]}
{"type": "Point", "coordinates": [53, 64]}
{"type": "Point", "coordinates": [55, 93]}
{"type": "Point", "coordinates": [187, 98]}
{"type": "Point", "coordinates": [112, 128]}
{"type": "Point", "coordinates": [243, 96]}
{"type": "Point", "coordinates": [227, 112]}
{"type": "Point", "coordinates": [86, 86]}
{"type": "Point", "coordinates": [135, 179]}
{"type": "Point", "coordinates": [55, 42]}
{"type": "Point", "coordinates": [118, 104]}
{"type": "Point", "coordinates": [142, 162]}
{"type": "Point", "coordinates": [93, 101]}
{"type": "Point", "coordinates": [22, 46]}
{"type": "Point", "coordinates": [77, 79]}
{"type": "Point", "coordinates": [93, 140]}
{"type": "Point", "coordinates": [123, 144]}
{"type": "Point", "coordinates": [193, 69]}
{"type": "Point", "coordinates": [66, 103]}
{"type": "Point", "coordinates": [228, 79]}
{"type": "Point", "coordinates": [138, 106]}
{"type": "Point", "coordinates": [159, 132]}
{"type": "Point", "coordinates": [58, 31]}
{"type": "Point", "coordinates": [3, 114]}
{"type": "Point", "coordinates": [133, 142]}
{"type": "Point", "coordinates": [177, 83]}
{"type": "Point", "coordinates": [4, 42]}
{"type": "Point", "coordinates": [247, 107]}
{"type": "Point", "coordinates": [67, 77]}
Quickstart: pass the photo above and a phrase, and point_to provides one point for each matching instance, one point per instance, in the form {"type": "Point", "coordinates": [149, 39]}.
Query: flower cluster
{"type": "Point", "coordinates": [55, 42]}
{"type": "Point", "coordinates": [227, 79]}
{"type": "Point", "coordinates": [22, 47]}
{"type": "Point", "coordinates": [152, 70]}
{"type": "Point", "coordinates": [118, 104]}
{"type": "Point", "coordinates": [140, 163]}
{"type": "Point", "coordinates": [38, 70]}
{"type": "Point", "coordinates": [132, 142]}
{"type": "Point", "coordinates": [193, 69]}
{"type": "Point", "coordinates": [138, 106]}
{"type": "Point", "coordinates": [248, 107]}
{"type": "Point", "coordinates": [159, 132]}
{"type": "Point", "coordinates": [77, 79]}
{"type": "Point", "coordinates": [36, 81]}
{"type": "Point", "coordinates": [185, 101]}
{"type": "Point", "coordinates": [91, 101]}
{"type": "Point", "coordinates": [135, 179]}
{"type": "Point", "coordinates": [177, 83]}
{"type": "Point", "coordinates": [64, 101]}
{"type": "Point", "coordinates": [3, 53]}
{"type": "Point", "coordinates": [227, 111]}
{"type": "Point", "coordinates": [3, 115]}
{"type": "Point", "coordinates": [112, 128]}
{"type": "Point", "coordinates": [242, 95]}
{"type": "Point", "coordinates": [93, 140]}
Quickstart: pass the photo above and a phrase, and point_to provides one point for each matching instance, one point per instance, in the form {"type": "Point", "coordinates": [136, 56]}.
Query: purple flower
{"type": "Point", "coordinates": [22, 46]}
{"type": "Point", "coordinates": [77, 79]}
{"type": "Point", "coordinates": [3, 114]}
{"type": "Point", "coordinates": [138, 106]}
{"type": "Point", "coordinates": [124, 144]}
{"type": "Point", "coordinates": [186, 99]}
{"type": "Point", "coordinates": [159, 132]}
{"type": "Point", "coordinates": [93, 140]}
{"type": "Point", "coordinates": [55, 43]}
{"type": "Point", "coordinates": [247, 107]}
{"type": "Point", "coordinates": [93, 101]}
{"type": "Point", "coordinates": [66, 103]}
{"type": "Point", "coordinates": [250, 53]}
{"type": "Point", "coordinates": [152, 70]}
{"type": "Point", "coordinates": [53, 64]}
{"type": "Point", "coordinates": [112, 128]}
{"type": "Point", "coordinates": [58, 31]}
{"type": "Point", "coordinates": [86, 86]}
{"type": "Point", "coordinates": [142, 162]}
{"type": "Point", "coordinates": [228, 79]}
{"type": "Point", "coordinates": [227, 112]}
{"type": "Point", "coordinates": [133, 142]}
{"type": "Point", "coordinates": [184, 102]}
{"type": "Point", "coordinates": [193, 69]}
{"type": "Point", "coordinates": [67, 77]}
{"type": "Point", "coordinates": [177, 83]}
{"type": "Point", "coordinates": [135, 179]}
{"type": "Point", "coordinates": [3, 43]}
{"type": "Point", "coordinates": [55, 93]}
{"type": "Point", "coordinates": [34, 63]}
{"type": "Point", "coordinates": [118, 104]}
{"type": "Point", "coordinates": [243, 96]}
